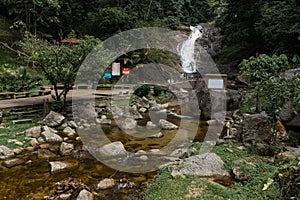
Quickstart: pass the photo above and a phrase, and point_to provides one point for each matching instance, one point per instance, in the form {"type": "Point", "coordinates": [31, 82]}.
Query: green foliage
{"type": "Point", "coordinates": [102, 18]}
{"type": "Point", "coordinates": [280, 25]}
{"type": "Point", "coordinates": [270, 90]}
{"type": "Point", "coordinates": [288, 177]}
{"type": "Point", "coordinates": [261, 26]}
{"type": "Point", "coordinates": [14, 79]}
{"type": "Point", "coordinates": [59, 63]}
{"type": "Point", "coordinates": [142, 91]}
{"type": "Point", "coordinates": [263, 67]}
{"type": "Point", "coordinates": [157, 90]}
{"type": "Point", "coordinates": [258, 170]}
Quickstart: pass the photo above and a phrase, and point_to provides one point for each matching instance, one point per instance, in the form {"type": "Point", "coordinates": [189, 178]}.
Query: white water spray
{"type": "Point", "coordinates": [186, 50]}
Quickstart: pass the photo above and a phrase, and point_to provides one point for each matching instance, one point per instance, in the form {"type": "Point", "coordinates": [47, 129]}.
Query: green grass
{"type": "Point", "coordinates": [257, 169]}
{"type": "Point", "coordinates": [15, 132]}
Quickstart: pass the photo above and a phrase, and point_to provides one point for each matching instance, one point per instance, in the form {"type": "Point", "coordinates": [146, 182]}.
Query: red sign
{"type": "Point", "coordinates": [125, 70]}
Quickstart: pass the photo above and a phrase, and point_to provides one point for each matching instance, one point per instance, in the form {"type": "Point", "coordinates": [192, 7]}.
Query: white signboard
{"type": "Point", "coordinates": [215, 84]}
{"type": "Point", "coordinates": [116, 69]}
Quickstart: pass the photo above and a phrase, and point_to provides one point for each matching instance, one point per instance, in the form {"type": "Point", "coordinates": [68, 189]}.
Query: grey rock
{"type": "Point", "coordinates": [151, 125]}
{"type": "Point", "coordinates": [143, 110]}
{"type": "Point", "coordinates": [64, 165]}
{"type": "Point", "coordinates": [295, 122]}
{"type": "Point", "coordinates": [166, 125]}
{"type": "Point", "coordinates": [53, 119]}
{"type": "Point", "coordinates": [68, 130]}
{"type": "Point", "coordinates": [65, 196]}
{"type": "Point", "coordinates": [50, 137]}
{"type": "Point", "coordinates": [41, 140]}
{"type": "Point", "coordinates": [5, 153]}
{"type": "Point", "coordinates": [85, 195]}
{"type": "Point", "coordinates": [104, 121]}
{"type": "Point", "coordinates": [203, 165]}
{"type": "Point", "coordinates": [253, 129]}
{"type": "Point", "coordinates": [33, 132]}
{"type": "Point", "coordinates": [181, 153]}
{"type": "Point", "coordinates": [134, 113]}
{"type": "Point", "coordinates": [106, 183]}
{"type": "Point", "coordinates": [34, 142]}
{"type": "Point", "coordinates": [294, 151]}
{"type": "Point", "coordinates": [116, 111]}
{"type": "Point", "coordinates": [66, 149]}
{"type": "Point", "coordinates": [72, 124]}
{"type": "Point", "coordinates": [128, 124]}
{"type": "Point", "coordinates": [13, 162]}
{"type": "Point", "coordinates": [113, 149]}
{"type": "Point", "coordinates": [157, 135]}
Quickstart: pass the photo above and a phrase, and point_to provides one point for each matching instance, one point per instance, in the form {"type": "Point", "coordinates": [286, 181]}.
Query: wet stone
{"type": "Point", "coordinates": [46, 154]}
{"type": "Point", "coordinates": [5, 153]}
{"type": "Point", "coordinates": [13, 162]}
{"type": "Point", "coordinates": [53, 119]}
{"type": "Point", "coordinates": [85, 195]}
{"type": "Point", "coordinates": [51, 137]}
{"type": "Point", "coordinates": [166, 125]}
{"type": "Point", "coordinates": [64, 165]}
{"type": "Point", "coordinates": [34, 142]}
{"type": "Point", "coordinates": [106, 183]}
{"type": "Point", "coordinates": [33, 132]}
{"type": "Point", "coordinates": [66, 149]}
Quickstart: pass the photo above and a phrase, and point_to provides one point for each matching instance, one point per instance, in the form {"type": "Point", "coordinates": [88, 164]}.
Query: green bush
{"type": "Point", "coordinates": [15, 79]}
{"type": "Point", "coordinates": [288, 177]}
{"type": "Point", "coordinates": [142, 91]}
{"type": "Point", "coordinates": [157, 90]}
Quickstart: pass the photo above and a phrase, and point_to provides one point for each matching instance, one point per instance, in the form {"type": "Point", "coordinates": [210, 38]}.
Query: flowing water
{"type": "Point", "coordinates": [186, 50]}
{"type": "Point", "coordinates": [34, 180]}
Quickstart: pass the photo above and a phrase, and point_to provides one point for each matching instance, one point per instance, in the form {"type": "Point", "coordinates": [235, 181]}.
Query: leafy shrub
{"type": "Point", "coordinates": [14, 79]}
{"type": "Point", "coordinates": [142, 91]}
{"type": "Point", "coordinates": [157, 90]}
{"type": "Point", "coordinates": [288, 177]}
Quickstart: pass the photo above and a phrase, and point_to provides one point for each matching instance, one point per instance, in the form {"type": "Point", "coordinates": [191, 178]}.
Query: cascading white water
{"type": "Point", "coordinates": [186, 50]}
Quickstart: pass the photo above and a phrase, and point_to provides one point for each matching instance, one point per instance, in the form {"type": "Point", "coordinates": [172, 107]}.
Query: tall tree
{"type": "Point", "coordinates": [59, 63]}
{"type": "Point", "coordinates": [279, 25]}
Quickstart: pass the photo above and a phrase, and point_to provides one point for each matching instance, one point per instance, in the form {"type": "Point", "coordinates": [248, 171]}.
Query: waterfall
{"type": "Point", "coordinates": [186, 50]}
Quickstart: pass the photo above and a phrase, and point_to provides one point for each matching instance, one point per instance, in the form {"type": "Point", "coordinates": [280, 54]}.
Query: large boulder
{"type": "Point", "coordinates": [203, 165]}
{"type": "Point", "coordinates": [211, 101]}
{"type": "Point", "coordinates": [254, 128]}
{"type": "Point", "coordinates": [53, 119]}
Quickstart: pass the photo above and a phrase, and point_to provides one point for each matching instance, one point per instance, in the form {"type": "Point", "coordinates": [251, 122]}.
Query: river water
{"type": "Point", "coordinates": [34, 180]}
